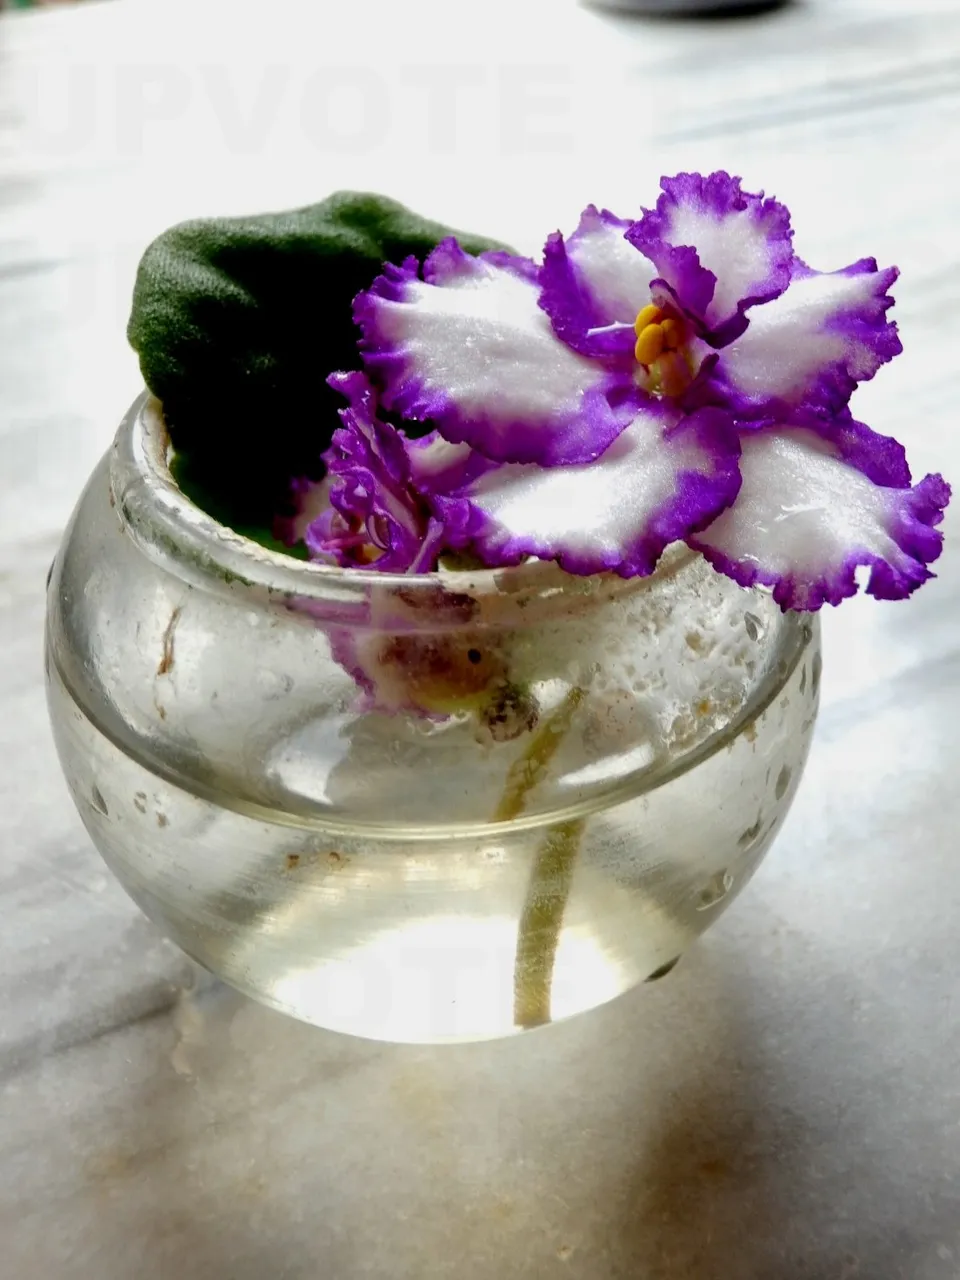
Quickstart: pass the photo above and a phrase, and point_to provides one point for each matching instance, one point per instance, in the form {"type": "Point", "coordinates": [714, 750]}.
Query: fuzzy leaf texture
{"type": "Point", "coordinates": [238, 321]}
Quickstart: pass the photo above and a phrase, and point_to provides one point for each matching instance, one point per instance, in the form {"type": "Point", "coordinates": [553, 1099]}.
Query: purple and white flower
{"type": "Point", "coordinates": [376, 517]}
{"type": "Point", "coordinates": [734, 306]}
{"type": "Point", "coordinates": [684, 375]}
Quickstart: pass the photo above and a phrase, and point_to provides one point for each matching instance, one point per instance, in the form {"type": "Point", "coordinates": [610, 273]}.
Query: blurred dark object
{"type": "Point", "coordinates": [692, 8]}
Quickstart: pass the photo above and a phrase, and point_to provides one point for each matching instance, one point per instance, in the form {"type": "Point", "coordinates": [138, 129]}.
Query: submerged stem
{"type": "Point", "coordinates": [540, 924]}
{"type": "Point", "coordinates": [527, 771]}
{"type": "Point", "coordinates": [549, 888]}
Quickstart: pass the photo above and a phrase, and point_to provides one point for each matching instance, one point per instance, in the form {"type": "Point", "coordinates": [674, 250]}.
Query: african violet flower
{"type": "Point", "coordinates": [682, 376]}
{"type": "Point", "coordinates": [375, 515]}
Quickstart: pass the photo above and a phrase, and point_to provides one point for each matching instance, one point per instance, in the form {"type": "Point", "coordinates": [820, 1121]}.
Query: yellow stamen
{"type": "Point", "coordinates": [649, 315]}
{"type": "Point", "coordinates": [673, 334]}
{"type": "Point", "coordinates": [649, 344]}
{"type": "Point", "coordinates": [675, 375]}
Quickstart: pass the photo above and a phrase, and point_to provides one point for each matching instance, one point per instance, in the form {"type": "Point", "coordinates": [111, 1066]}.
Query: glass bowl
{"type": "Point", "coordinates": [427, 808]}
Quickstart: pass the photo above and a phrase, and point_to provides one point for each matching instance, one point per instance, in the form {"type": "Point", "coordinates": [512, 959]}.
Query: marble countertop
{"type": "Point", "coordinates": [787, 1103]}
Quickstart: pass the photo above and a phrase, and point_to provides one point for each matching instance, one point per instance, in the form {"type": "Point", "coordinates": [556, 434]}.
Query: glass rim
{"type": "Point", "coordinates": [175, 534]}
{"type": "Point", "coordinates": [174, 531]}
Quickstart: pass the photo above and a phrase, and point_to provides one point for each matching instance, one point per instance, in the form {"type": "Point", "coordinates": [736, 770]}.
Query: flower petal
{"type": "Point", "coordinates": [665, 476]}
{"type": "Point", "coordinates": [469, 349]}
{"type": "Point", "coordinates": [437, 466]}
{"type": "Point", "coordinates": [374, 511]}
{"type": "Point", "coordinates": [814, 343]}
{"type": "Point", "coordinates": [594, 283]}
{"type": "Point", "coordinates": [308, 500]}
{"type": "Point", "coordinates": [719, 248]}
{"type": "Point", "coordinates": [809, 513]}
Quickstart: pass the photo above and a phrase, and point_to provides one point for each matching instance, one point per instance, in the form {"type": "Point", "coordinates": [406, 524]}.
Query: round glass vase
{"type": "Point", "coordinates": [424, 808]}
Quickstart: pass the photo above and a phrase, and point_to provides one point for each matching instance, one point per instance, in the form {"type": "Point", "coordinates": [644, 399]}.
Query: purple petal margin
{"type": "Point", "coordinates": [880, 458]}
{"type": "Point", "coordinates": [371, 499]}
{"type": "Point", "coordinates": [870, 342]}
{"type": "Point", "coordinates": [577, 435]}
{"type": "Point", "coordinates": [866, 326]}
{"type": "Point", "coordinates": [916, 513]}
{"type": "Point", "coordinates": [916, 534]}
{"type": "Point", "coordinates": [576, 314]}
{"type": "Point", "coordinates": [716, 196]}
{"type": "Point", "coordinates": [699, 500]}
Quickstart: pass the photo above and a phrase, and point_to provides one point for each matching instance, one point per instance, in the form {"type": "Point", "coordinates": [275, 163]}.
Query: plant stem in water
{"type": "Point", "coordinates": [540, 924]}
{"type": "Point", "coordinates": [526, 772]}
{"type": "Point", "coordinates": [549, 888]}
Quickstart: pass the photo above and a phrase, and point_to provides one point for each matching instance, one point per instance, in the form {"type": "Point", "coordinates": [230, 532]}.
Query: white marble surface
{"type": "Point", "coordinates": [787, 1103]}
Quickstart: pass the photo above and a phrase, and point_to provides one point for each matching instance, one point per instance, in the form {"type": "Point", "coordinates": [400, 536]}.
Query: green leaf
{"type": "Point", "coordinates": [205, 493]}
{"type": "Point", "coordinates": [238, 321]}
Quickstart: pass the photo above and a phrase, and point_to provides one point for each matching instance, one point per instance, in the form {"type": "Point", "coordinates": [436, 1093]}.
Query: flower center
{"type": "Point", "coordinates": [661, 350]}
